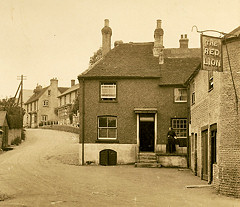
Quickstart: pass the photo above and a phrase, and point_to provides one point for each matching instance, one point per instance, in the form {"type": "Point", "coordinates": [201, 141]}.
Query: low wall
{"type": "Point", "coordinates": [62, 128]}
{"type": "Point", "coordinates": [13, 134]}
{"type": "Point", "coordinates": [172, 160]}
{"type": "Point", "coordinates": [126, 153]}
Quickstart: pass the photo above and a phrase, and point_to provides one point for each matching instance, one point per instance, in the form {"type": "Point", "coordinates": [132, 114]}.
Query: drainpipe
{"type": "Point", "coordinates": [188, 122]}
{"type": "Point", "coordinates": [82, 115]}
{"type": "Point", "coordinates": [83, 119]}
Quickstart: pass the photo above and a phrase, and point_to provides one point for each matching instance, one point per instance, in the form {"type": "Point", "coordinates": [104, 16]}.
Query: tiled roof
{"type": "Point", "coordinates": [69, 90]}
{"type": "Point", "coordinates": [36, 96]}
{"type": "Point", "coordinates": [2, 117]}
{"type": "Point", "coordinates": [178, 70]}
{"type": "Point", "coordinates": [137, 60]}
{"type": "Point", "coordinates": [62, 89]}
{"type": "Point", "coordinates": [127, 60]}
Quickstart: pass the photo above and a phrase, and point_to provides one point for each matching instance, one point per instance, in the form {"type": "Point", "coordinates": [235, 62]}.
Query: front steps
{"type": "Point", "coordinates": [147, 159]}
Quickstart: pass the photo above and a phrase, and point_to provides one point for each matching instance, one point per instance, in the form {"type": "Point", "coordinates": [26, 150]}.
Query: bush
{"type": "Point", "coordinates": [16, 141]}
{"type": "Point", "coordinates": [41, 123]}
{"type": "Point", "coordinates": [23, 135]}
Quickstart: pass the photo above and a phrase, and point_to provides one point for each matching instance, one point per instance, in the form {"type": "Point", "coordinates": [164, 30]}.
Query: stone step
{"type": "Point", "coordinates": [148, 165]}
{"type": "Point", "coordinates": [147, 160]}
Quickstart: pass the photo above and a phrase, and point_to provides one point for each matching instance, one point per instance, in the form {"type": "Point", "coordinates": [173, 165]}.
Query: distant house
{"type": "Point", "coordinates": [42, 105]}
{"type": "Point", "coordinates": [4, 127]}
{"type": "Point", "coordinates": [214, 120]}
{"type": "Point", "coordinates": [130, 98]}
{"type": "Point", "coordinates": [65, 104]}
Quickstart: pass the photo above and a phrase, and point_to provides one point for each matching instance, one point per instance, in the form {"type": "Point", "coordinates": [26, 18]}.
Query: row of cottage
{"type": "Point", "coordinates": [134, 92]}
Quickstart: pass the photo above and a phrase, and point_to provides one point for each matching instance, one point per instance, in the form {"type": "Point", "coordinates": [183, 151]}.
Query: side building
{"type": "Point", "coordinates": [131, 96]}
{"type": "Point", "coordinates": [66, 100]}
{"type": "Point", "coordinates": [42, 105]}
{"type": "Point", "coordinates": [214, 120]}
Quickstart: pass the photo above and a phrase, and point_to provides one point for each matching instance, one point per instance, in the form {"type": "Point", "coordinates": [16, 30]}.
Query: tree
{"type": "Point", "coordinates": [97, 56]}
{"type": "Point", "coordinates": [15, 113]}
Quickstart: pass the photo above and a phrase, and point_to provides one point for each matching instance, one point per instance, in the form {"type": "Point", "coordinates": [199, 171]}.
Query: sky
{"type": "Point", "coordinates": [44, 39]}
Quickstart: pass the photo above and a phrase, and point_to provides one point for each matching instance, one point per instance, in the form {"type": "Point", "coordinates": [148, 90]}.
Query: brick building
{"type": "Point", "coordinates": [42, 105]}
{"type": "Point", "coordinates": [65, 103]}
{"type": "Point", "coordinates": [214, 118]}
{"type": "Point", "coordinates": [132, 95]}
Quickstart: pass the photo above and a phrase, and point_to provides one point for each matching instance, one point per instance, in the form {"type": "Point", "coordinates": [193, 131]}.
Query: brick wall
{"type": "Point", "coordinates": [229, 125]}
{"type": "Point", "coordinates": [220, 106]}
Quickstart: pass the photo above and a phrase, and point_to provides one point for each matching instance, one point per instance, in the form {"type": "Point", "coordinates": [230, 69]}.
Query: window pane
{"type": "Point", "coordinates": [108, 90]}
{"type": "Point", "coordinates": [102, 133]}
{"type": "Point", "coordinates": [112, 133]}
{"type": "Point", "coordinates": [112, 122]}
{"type": "Point", "coordinates": [102, 122]}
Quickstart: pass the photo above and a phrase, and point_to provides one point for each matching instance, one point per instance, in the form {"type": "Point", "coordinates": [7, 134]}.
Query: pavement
{"type": "Point", "coordinates": [44, 171]}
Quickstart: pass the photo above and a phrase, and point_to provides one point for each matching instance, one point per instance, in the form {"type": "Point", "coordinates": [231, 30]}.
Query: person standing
{"type": "Point", "coordinates": [171, 140]}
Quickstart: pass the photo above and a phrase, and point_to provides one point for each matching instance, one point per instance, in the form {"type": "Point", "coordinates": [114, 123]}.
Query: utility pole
{"type": "Point", "coordinates": [22, 78]}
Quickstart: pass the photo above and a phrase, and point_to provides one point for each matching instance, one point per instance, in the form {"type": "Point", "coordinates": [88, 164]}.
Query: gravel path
{"type": "Point", "coordinates": [44, 171]}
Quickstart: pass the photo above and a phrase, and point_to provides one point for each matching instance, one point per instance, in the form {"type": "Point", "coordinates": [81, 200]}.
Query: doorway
{"type": "Point", "coordinates": [205, 155]}
{"type": "Point", "coordinates": [146, 133]}
{"type": "Point", "coordinates": [213, 151]}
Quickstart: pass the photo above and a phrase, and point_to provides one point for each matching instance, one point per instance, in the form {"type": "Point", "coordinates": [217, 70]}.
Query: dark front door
{"type": "Point", "coordinates": [146, 133]}
{"type": "Point", "coordinates": [213, 151]}
{"type": "Point", "coordinates": [205, 155]}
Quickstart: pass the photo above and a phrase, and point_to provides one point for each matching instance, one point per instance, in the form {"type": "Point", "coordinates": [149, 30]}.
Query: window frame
{"type": "Point", "coordinates": [100, 91]}
{"type": "Point", "coordinates": [210, 81]}
{"type": "Point", "coordinates": [179, 128]}
{"type": "Point", "coordinates": [45, 103]}
{"type": "Point", "coordinates": [179, 101]}
{"type": "Point", "coordinates": [193, 93]}
{"type": "Point", "coordinates": [107, 127]}
{"type": "Point", "coordinates": [46, 118]}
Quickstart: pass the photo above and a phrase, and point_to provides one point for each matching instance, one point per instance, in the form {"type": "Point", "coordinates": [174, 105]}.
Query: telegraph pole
{"type": "Point", "coordinates": [22, 78]}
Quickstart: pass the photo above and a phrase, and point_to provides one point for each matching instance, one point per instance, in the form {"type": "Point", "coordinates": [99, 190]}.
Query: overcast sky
{"type": "Point", "coordinates": [42, 39]}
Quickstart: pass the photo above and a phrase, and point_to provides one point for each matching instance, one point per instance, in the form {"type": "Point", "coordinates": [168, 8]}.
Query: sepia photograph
{"type": "Point", "coordinates": [131, 103]}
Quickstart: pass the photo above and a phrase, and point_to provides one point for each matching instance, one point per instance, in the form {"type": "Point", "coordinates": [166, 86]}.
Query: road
{"type": "Point", "coordinates": [43, 171]}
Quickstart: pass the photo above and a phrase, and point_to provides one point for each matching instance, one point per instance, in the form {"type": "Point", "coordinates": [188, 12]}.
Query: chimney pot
{"type": "Point", "coordinates": [72, 83]}
{"type": "Point", "coordinates": [159, 24]}
{"type": "Point", "coordinates": [184, 41]}
{"type": "Point", "coordinates": [106, 22]}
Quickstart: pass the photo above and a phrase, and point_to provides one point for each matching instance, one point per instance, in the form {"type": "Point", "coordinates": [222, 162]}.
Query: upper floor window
{"type": "Point", "coordinates": [210, 80]}
{"type": "Point", "coordinates": [180, 127]}
{"type": "Point", "coordinates": [180, 95]}
{"type": "Point", "coordinates": [65, 100]}
{"type": "Point", "coordinates": [193, 93]}
{"type": "Point", "coordinates": [108, 91]}
{"type": "Point", "coordinates": [49, 92]}
{"type": "Point", "coordinates": [45, 103]}
{"type": "Point", "coordinates": [107, 127]}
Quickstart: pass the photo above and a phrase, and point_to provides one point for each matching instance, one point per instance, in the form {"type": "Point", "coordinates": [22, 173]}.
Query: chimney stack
{"type": "Point", "coordinates": [72, 83]}
{"type": "Point", "coordinates": [184, 41]}
{"type": "Point", "coordinates": [106, 37]}
{"type": "Point", "coordinates": [158, 42]}
{"type": "Point", "coordinates": [54, 81]}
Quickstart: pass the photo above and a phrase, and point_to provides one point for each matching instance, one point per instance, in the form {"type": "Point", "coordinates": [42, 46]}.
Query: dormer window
{"type": "Point", "coordinates": [108, 91]}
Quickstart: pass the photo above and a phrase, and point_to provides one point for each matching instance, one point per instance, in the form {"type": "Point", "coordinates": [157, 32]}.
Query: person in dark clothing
{"type": "Point", "coordinates": [171, 140]}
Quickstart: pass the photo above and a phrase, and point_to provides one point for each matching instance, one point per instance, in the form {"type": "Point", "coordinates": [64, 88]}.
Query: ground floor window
{"type": "Point", "coordinates": [180, 127]}
{"type": "Point", "coordinates": [107, 127]}
{"type": "Point", "coordinates": [44, 118]}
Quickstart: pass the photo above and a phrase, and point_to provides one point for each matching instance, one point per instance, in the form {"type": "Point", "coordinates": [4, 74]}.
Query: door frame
{"type": "Point", "coordinates": [155, 131]}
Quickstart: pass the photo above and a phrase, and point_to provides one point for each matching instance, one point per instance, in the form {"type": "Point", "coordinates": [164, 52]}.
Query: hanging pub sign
{"type": "Point", "coordinates": [211, 53]}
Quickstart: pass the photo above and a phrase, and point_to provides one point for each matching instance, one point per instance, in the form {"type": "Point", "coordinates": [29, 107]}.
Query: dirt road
{"type": "Point", "coordinates": [43, 171]}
